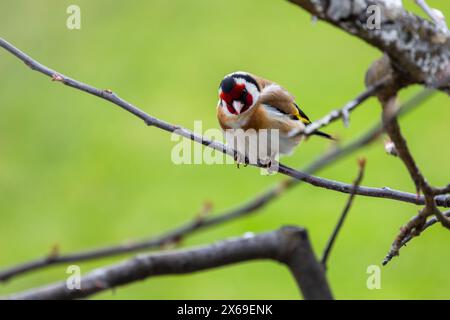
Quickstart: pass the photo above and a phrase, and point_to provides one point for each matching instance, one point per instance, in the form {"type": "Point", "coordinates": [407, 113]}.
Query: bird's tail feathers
{"type": "Point", "coordinates": [323, 134]}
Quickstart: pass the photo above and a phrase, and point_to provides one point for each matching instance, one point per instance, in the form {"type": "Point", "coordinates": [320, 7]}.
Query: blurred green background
{"type": "Point", "coordinates": [78, 172]}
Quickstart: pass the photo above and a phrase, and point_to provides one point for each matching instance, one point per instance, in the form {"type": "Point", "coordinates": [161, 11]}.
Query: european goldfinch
{"type": "Point", "coordinates": [250, 102]}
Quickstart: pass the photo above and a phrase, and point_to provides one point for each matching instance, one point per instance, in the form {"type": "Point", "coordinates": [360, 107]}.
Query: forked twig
{"type": "Point", "coordinates": [288, 245]}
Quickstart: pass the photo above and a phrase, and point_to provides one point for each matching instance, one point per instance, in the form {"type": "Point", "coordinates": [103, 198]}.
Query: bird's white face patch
{"type": "Point", "coordinates": [238, 105]}
{"type": "Point", "coordinates": [223, 105]}
{"type": "Point", "coordinates": [251, 88]}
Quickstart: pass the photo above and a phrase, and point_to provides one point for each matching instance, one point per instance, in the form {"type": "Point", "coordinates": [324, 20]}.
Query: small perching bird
{"type": "Point", "coordinates": [251, 103]}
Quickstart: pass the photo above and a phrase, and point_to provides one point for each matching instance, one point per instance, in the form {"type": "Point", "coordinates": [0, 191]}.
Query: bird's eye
{"type": "Point", "coordinates": [244, 91]}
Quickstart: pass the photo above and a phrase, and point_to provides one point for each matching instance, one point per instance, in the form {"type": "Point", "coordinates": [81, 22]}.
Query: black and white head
{"type": "Point", "coordinates": [238, 93]}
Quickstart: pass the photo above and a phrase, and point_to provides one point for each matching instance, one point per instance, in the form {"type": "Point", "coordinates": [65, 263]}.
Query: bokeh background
{"type": "Point", "coordinates": [78, 172]}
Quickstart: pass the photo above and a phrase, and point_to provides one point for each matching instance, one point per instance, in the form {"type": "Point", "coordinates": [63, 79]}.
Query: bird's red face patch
{"type": "Point", "coordinates": [237, 93]}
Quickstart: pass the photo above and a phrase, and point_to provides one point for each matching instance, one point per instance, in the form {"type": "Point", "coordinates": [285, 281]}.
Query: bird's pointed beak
{"type": "Point", "coordinates": [238, 105]}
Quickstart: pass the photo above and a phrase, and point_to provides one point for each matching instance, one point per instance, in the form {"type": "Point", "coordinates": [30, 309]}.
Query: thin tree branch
{"type": "Point", "coordinates": [288, 245]}
{"type": "Point", "coordinates": [442, 190]}
{"type": "Point", "coordinates": [429, 223]}
{"type": "Point", "coordinates": [348, 205]}
{"type": "Point", "coordinates": [344, 112]}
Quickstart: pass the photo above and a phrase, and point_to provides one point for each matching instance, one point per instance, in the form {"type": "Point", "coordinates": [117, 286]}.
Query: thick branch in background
{"type": "Point", "coordinates": [419, 50]}
{"type": "Point", "coordinates": [288, 245]}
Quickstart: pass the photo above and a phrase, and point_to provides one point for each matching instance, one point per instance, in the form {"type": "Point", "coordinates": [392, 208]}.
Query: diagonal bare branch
{"type": "Point", "coordinates": [340, 223]}
{"type": "Point", "coordinates": [416, 225]}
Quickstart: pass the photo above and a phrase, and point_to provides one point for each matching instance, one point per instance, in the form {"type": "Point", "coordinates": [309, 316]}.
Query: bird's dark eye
{"type": "Point", "coordinates": [244, 91]}
{"type": "Point", "coordinates": [227, 84]}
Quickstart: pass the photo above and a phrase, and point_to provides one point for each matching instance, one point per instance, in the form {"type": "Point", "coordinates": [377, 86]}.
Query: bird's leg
{"type": "Point", "coordinates": [272, 167]}
{"type": "Point", "coordinates": [269, 165]}
{"type": "Point", "coordinates": [266, 167]}
{"type": "Point", "coordinates": [240, 159]}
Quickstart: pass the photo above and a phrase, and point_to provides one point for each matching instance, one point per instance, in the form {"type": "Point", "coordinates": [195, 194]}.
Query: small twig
{"type": "Point", "coordinates": [422, 71]}
{"type": "Point", "coordinates": [438, 21]}
{"type": "Point", "coordinates": [409, 237]}
{"type": "Point", "coordinates": [442, 190]}
{"type": "Point", "coordinates": [415, 226]}
{"type": "Point", "coordinates": [343, 112]}
{"type": "Point", "coordinates": [288, 245]}
{"type": "Point", "coordinates": [401, 147]}
{"type": "Point", "coordinates": [443, 219]}
{"type": "Point", "coordinates": [429, 223]}
{"type": "Point", "coordinates": [348, 205]}
{"type": "Point", "coordinates": [196, 225]}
